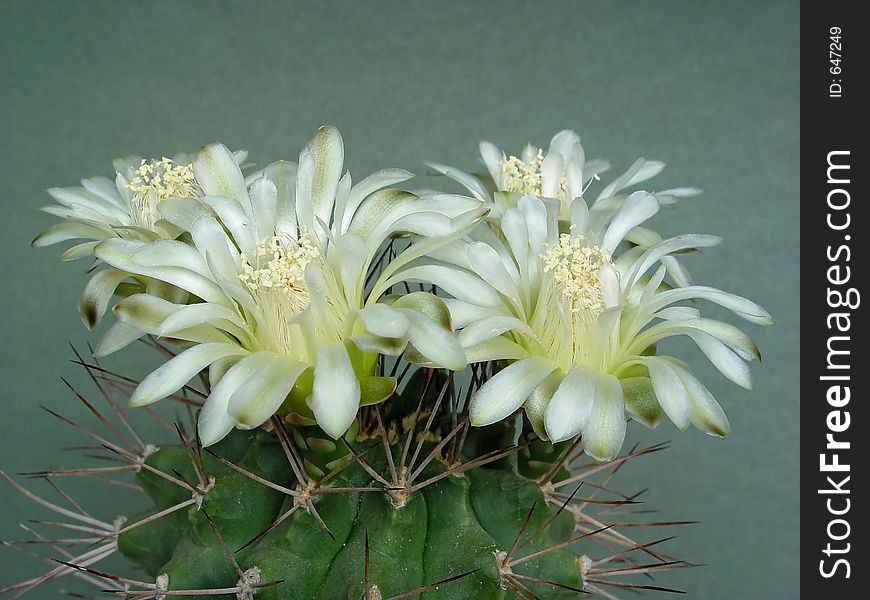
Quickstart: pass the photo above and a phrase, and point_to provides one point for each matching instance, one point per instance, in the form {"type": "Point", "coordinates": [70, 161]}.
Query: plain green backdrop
{"type": "Point", "coordinates": [709, 87]}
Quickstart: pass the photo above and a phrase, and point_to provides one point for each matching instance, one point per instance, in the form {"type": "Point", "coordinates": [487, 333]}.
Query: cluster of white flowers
{"type": "Point", "coordinates": [275, 284]}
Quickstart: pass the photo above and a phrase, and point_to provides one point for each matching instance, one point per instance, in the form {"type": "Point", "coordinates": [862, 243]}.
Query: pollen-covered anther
{"type": "Point", "coordinates": [164, 178]}
{"type": "Point", "coordinates": [278, 264]}
{"type": "Point", "coordinates": [576, 267]}
{"type": "Point", "coordinates": [527, 177]}
{"type": "Point", "coordinates": [158, 180]}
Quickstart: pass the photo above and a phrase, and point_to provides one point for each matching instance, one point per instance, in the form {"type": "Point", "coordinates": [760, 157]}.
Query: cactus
{"type": "Point", "coordinates": [412, 502]}
{"type": "Point", "coordinates": [395, 391]}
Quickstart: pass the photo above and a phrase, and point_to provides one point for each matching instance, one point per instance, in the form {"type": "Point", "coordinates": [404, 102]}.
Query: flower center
{"type": "Point", "coordinates": [525, 177]}
{"type": "Point", "coordinates": [275, 275]}
{"type": "Point", "coordinates": [576, 267]}
{"type": "Point", "coordinates": [576, 301]}
{"type": "Point", "coordinates": [157, 180]}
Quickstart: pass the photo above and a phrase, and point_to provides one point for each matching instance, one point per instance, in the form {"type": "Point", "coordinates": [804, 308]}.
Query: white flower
{"type": "Point", "coordinates": [281, 313]}
{"type": "Point", "coordinates": [126, 208]}
{"type": "Point", "coordinates": [578, 323]}
{"type": "Point", "coordinates": [561, 173]}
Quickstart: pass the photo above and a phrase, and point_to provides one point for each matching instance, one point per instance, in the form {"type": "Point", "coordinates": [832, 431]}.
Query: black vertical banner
{"type": "Point", "coordinates": [835, 425]}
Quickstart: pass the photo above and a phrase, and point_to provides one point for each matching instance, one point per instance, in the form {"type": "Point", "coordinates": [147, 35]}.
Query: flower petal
{"type": "Point", "coordinates": [97, 293]}
{"type": "Point", "coordinates": [384, 321]}
{"type": "Point", "coordinates": [604, 429]}
{"type": "Point", "coordinates": [215, 421]}
{"type": "Point", "coordinates": [320, 166]}
{"type": "Point", "coordinates": [639, 207]}
{"type": "Point", "coordinates": [218, 174]}
{"type": "Point", "coordinates": [571, 404]}
{"type": "Point", "coordinates": [258, 398]}
{"type": "Point", "coordinates": [470, 182]}
{"type": "Point", "coordinates": [670, 391]}
{"type": "Point", "coordinates": [118, 336]}
{"type": "Point", "coordinates": [508, 389]}
{"type": "Point", "coordinates": [336, 393]}
{"type": "Point", "coordinates": [536, 405]}
{"type": "Point", "coordinates": [175, 373]}
{"type": "Point", "coordinates": [640, 400]}
{"type": "Point", "coordinates": [706, 414]}
{"type": "Point", "coordinates": [499, 348]}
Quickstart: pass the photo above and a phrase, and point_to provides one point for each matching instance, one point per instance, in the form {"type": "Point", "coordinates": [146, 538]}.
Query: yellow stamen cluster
{"type": "Point", "coordinates": [278, 264]}
{"type": "Point", "coordinates": [525, 177]}
{"type": "Point", "coordinates": [157, 180]}
{"type": "Point", "coordinates": [164, 178]}
{"type": "Point", "coordinates": [576, 267]}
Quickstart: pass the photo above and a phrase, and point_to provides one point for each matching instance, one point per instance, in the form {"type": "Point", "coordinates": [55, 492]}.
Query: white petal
{"type": "Point", "coordinates": [571, 404]}
{"type": "Point", "coordinates": [459, 284]}
{"type": "Point", "coordinates": [665, 247]}
{"type": "Point", "coordinates": [487, 263]}
{"type": "Point", "coordinates": [182, 212]}
{"type": "Point", "coordinates": [320, 166]}
{"type": "Point", "coordinates": [579, 215]}
{"type": "Point", "coordinates": [384, 321]}
{"type": "Point", "coordinates": [493, 159]}
{"type": "Point", "coordinates": [724, 359]}
{"type": "Point", "coordinates": [609, 285]}
{"type": "Point", "coordinates": [215, 421]}
{"type": "Point", "coordinates": [120, 254]}
{"type": "Point", "coordinates": [551, 174]}
{"type": "Point", "coordinates": [742, 307]}
{"type": "Point", "coordinates": [464, 313]}
{"type": "Point", "coordinates": [491, 327]}
{"type": "Point", "coordinates": [265, 390]}
{"type": "Point", "coordinates": [282, 174]}
{"type": "Point", "coordinates": [237, 222]}
{"type": "Point", "coordinates": [97, 293]}
{"type": "Point", "coordinates": [564, 143]}
{"type": "Point", "coordinates": [670, 391]}
{"type": "Point", "coordinates": [706, 415]}
{"type": "Point", "coordinates": [471, 183]}
{"type": "Point", "coordinates": [639, 207]}
{"type": "Point", "coordinates": [535, 213]}
{"type": "Point", "coordinates": [604, 429]}
{"type": "Point", "coordinates": [204, 313]}
{"type": "Point", "coordinates": [336, 392]}
{"type": "Point", "coordinates": [264, 205]}
{"type": "Point", "coordinates": [513, 225]}
{"type": "Point", "coordinates": [640, 171]}
{"type": "Point", "coordinates": [362, 190]}
{"type": "Point", "coordinates": [218, 174]}
{"type": "Point", "coordinates": [79, 251]}
{"type": "Point", "coordinates": [118, 336]}
{"type": "Point", "coordinates": [536, 405]}
{"type": "Point", "coordinates": [176, 372]}
{"type": "Point", "coordinates": [434, 341]}
{"type": "Point", "coordinates": [507, 390]}
{"type": "Point", "coordinates": [499, 348]}
{"type": "Point", "coordinates": [69, 230]}
{"type": "Point", "coordinates": [218, 250]}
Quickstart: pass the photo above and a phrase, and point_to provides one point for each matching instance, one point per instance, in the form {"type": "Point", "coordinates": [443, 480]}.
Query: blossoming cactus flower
{"type": "Point", "coordinates": [577, 319]}
{"type": "Point", "coordinates": [280, 264]}
{"type": "Point", "coordinates": [317, 327]}
{"type": "Point", "coordinates": [125, 208]}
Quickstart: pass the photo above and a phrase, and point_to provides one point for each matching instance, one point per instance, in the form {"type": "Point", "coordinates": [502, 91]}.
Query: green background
{"type": "Point", "coordinates": [709, 87]}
